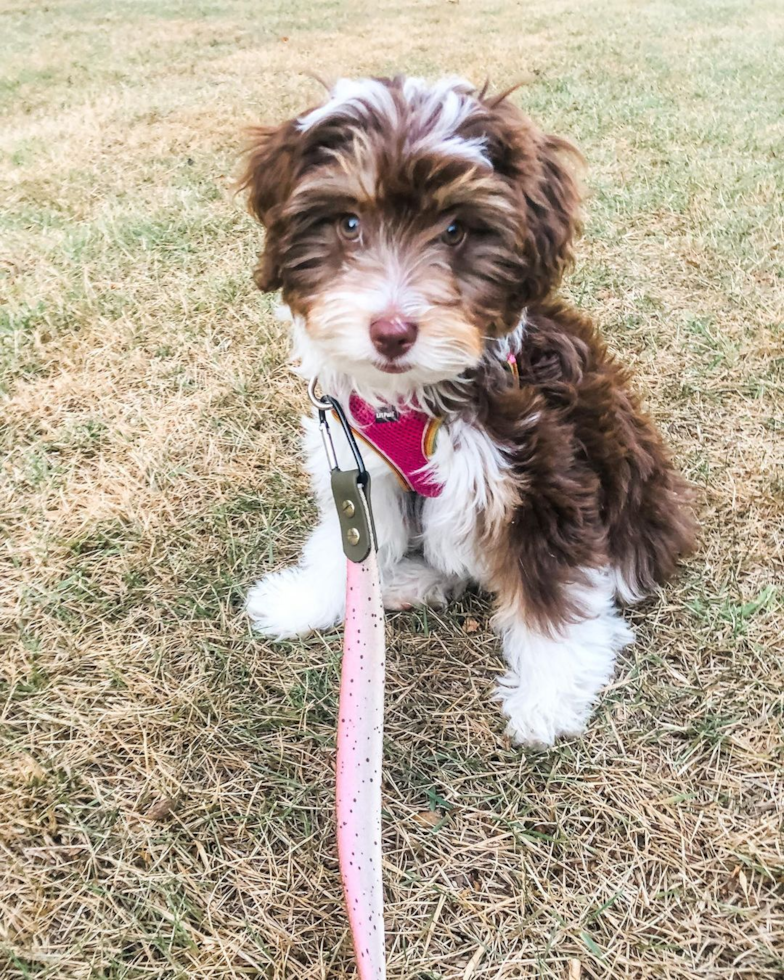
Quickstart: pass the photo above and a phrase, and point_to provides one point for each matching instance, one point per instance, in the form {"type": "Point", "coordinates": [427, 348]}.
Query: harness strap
{"type": "Point", "coordinates": [405, 438]}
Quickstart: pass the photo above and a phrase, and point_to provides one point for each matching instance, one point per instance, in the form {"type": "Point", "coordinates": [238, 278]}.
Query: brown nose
{"type": "Point", "coordinates": [392, 337]}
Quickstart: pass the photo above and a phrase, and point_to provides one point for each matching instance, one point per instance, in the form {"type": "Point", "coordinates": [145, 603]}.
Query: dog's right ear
{"type": "Point", "coordinates": [268, 178]}
{"type": "Point", "coordinates": [269, 168]}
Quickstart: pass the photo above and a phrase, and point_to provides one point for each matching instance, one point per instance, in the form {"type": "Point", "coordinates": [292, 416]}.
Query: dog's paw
{"type": "Point", "coordinates": [288, 604]}
{"type": "Point", "coordinates": [555, 681]}
{"type": "Point", "coordinates": [413, 583]}
{"type": "Point", "coordinates": [537, 717]}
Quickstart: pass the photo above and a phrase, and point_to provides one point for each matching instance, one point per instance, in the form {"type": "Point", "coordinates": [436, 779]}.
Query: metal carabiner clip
{"type": "Point", "coordinates": [324, 405]}
{"type": "Point", "coordinates": [350, 488]}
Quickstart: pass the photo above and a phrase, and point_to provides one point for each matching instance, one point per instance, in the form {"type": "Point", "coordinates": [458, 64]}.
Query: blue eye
{"type": "Point", "coordinates": [453, 234]}
{"type": "Point", "coordinates": [349, 227]}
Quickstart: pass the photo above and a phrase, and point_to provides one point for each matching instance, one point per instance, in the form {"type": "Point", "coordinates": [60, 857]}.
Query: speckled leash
{"type": "Point", "coordinates": [361, 709]}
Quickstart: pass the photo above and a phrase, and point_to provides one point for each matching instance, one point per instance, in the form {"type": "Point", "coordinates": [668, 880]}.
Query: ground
{"type": "Point", "coordinates": [165, 776]}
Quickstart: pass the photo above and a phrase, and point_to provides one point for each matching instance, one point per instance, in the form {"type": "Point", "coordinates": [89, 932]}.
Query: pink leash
{"type": "Point", "coordinates": [360, 735]}
{"type": "Point", "coordinates": [361, 709]}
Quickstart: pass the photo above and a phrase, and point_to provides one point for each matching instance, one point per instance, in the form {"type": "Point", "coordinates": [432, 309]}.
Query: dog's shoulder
{"type": "Point", "coordinates": [562, 346]}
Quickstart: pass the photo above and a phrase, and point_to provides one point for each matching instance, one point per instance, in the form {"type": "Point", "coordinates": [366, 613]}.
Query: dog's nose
{"type": "Point", "coordinates": [392, 337]}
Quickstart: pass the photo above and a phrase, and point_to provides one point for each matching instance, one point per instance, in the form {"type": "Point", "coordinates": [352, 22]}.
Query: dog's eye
{"type": "Point", "coordinates": [349, 226]}
{"type": "Point", "coordinates": [453, 234]}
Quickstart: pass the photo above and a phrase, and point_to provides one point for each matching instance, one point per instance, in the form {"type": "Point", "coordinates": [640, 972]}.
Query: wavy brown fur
{"type": "Point", "coordinates": [596, 484]}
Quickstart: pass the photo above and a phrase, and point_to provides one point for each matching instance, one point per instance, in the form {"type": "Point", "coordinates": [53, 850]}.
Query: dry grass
{"type": "Point", "coordinates": [165, 797]}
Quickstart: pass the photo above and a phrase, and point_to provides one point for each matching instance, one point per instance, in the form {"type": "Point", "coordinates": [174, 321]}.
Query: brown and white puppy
{"type": "Point", "coordinates": [418, 233]}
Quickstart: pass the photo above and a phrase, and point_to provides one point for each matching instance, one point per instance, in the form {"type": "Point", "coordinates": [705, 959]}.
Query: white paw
{"type": "Point", "coordinates": [554, 681]}
{"type": "Point", "coordinates": [294, 603]}
{"type": "Point", "coordinates": [411, 582]}
{"type": "Point", "coordinates": [540, 713]}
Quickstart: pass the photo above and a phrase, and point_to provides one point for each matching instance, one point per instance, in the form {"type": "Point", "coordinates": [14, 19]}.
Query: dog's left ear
{"type": "Point", "coordinates": [268, 177]}
{"type": "Point", "coordinates": [553, 220]}
{"type": "Point", "coordinates": [542, 172]}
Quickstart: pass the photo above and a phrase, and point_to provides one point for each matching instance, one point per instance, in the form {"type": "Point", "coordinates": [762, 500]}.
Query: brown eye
{"type": "Point", "coordinates": [349, 226]}
{"type": "Point", "coordinates": [453, 234]}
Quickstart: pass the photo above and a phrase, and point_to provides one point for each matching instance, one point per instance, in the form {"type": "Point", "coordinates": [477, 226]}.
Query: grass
{"type": "Point", "coordinates": [165, 790]}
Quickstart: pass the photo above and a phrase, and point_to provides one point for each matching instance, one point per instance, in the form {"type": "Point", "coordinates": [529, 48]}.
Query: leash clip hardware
{"type": "Point", "coordinates": [350, 488]}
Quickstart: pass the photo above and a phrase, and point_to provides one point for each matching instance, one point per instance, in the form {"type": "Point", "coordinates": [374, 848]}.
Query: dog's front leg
{"type": "Point", "coordinates": [555, 677]}
{"type": "Point", "coordinates": [312, 594]}
{"type": "Point", "coordinates": [309, 596]}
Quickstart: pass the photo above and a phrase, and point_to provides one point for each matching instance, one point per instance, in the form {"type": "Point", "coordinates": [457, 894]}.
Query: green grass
{"type": "Point", "coordinates": [165, 777]}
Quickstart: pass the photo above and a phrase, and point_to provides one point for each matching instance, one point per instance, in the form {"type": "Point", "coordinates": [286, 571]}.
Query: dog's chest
{"type": "Point", "coordinates": [476, 494]}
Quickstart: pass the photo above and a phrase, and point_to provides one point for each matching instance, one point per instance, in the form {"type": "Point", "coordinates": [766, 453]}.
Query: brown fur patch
{"type": "Point", "coordinates": [596, 485]}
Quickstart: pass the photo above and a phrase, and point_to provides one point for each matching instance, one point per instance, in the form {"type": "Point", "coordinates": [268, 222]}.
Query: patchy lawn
{"type": "Point", "coordinates": [165, 787]}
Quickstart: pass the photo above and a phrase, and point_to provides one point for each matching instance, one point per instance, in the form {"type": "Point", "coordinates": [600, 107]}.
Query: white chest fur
{"type": "Point", "coordinates": [476, 481]}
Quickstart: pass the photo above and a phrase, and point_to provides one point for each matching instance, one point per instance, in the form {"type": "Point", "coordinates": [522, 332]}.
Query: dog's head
{"type": "Point", "coordinates": [407, 223]}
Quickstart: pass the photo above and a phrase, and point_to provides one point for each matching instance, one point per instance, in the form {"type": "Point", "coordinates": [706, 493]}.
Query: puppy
{"type": "Point", "coordinates": [418, 233]}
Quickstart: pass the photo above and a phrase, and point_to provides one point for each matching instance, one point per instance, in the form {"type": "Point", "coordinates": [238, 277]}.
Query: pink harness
{"type": "Point", "coordinates": [405, 439]}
